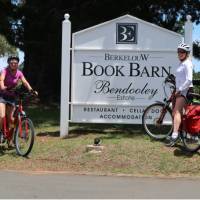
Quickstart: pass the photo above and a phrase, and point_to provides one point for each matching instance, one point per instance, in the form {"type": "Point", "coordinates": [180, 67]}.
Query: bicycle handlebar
{"type": "Point", "coordinates": [195, 95]}
{"type": "Point", "coordinates": [171, 79]}
{"type": "Point", "coordinates": [22, 92]}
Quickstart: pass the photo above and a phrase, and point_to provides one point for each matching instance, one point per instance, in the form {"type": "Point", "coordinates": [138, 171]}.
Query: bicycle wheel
{"type": "Point", "coordinates": [24, 137]}
{"type": "Point", "coordinates": [191, 142]}
{"type": "Point", "coordinates": [150, 121]}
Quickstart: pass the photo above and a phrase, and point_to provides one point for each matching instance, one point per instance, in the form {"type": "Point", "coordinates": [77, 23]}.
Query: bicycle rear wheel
{"type": "Point", "coordinates": [191, 142]}
{"type": "Point", "coordinates": [150, 121]}
{"type": "Point", "coordinates": [24, 137]}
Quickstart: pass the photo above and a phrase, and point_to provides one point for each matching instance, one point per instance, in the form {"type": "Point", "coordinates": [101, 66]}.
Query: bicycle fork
{"type": "Point", "coordinates": [8, 133]}
{"type": "Point", "coordinates": [23, 134]}
{"type": "Point", "coordinates": [162, 115]}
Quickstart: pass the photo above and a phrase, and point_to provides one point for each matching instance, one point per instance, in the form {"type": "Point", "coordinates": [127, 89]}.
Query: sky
{"type": "Point", "coordinates": [196, 36]}
{"type": "Point", "coordinates": [3, 61]}
{"type": "Point", "coordinates": [196, 63]}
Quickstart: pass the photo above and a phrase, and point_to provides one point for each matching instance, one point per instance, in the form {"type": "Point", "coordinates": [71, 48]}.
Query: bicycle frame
{"type": "Point", "coordinates": [155, 128]}
{"type": "Point", "coordinates": [18, 118]}
{"type": "Point", "coordinates": [18, 114]}
{"type": "Point", "coordinates": [23, 132]}
{"type": "Point", "coordinates": [166, 103]}
{"type": "Point", "coordinates": [6, 132]}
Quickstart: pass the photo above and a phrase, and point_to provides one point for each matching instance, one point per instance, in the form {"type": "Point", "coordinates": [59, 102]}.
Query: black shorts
{"type": "Point", "coordinates": [188, 97]}
{"type": "Point", "coordinates": [7, 100]}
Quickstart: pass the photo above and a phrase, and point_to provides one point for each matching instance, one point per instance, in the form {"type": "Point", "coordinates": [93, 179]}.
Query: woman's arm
{"type": "Point", "coordinates": [2, 78]}
{"type": "Point", "coordinates": [26, 84]}
{"type": "Point", "coordinates": [189, 74]}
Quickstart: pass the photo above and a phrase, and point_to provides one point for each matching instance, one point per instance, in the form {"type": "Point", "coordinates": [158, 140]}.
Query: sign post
{"type": "Point", "coordinates": [188, 32]}
{"type": "Point", "coordinates": [65, 77]}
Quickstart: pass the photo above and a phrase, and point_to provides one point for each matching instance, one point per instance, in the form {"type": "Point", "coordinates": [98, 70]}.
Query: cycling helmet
{"type": "Point", "coordinates": [184, 47]}
{"type": "Point", "coordinates": [12, 58]}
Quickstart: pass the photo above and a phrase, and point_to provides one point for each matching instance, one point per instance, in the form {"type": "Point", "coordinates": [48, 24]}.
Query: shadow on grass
{"type": "Point", "coordinates": [2, 152]}
{"type": "Point", "coordinates": [41, 114]}
{"type": "Point", "coordinates": [50, 134]}
{"type": "Point", "coordinates": [50, 116]}
{"type": "Point", "coordinates": [10, 152]}
{"type": "Point", "coordinates": [182, 152]}
{"type": "Point", "coordinates": [113, 130]}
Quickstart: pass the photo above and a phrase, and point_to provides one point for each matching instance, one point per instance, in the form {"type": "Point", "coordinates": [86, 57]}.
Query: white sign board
{"type": "Point", "coordinates": [103, 79]}
{"type": "Point", "coordinates": [117, 69]}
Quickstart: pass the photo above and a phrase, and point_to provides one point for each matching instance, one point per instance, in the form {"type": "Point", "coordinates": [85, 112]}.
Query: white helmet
{"type": "Point", "coordinates": [184, 47]}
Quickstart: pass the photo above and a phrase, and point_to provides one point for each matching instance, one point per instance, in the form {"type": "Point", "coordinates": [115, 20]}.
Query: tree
{"type": "Point", "coordinates": [35, 27]}
{"type": "Point", "coordinates": [5, 47]}
{"type": "Point", "coordinates": [196, 49]}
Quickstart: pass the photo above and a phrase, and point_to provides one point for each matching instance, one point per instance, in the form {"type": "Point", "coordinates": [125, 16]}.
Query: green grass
{"type": "Point", "coordinates": [127, 150]}
{"type": "Point", "coordinates": [45, 118]}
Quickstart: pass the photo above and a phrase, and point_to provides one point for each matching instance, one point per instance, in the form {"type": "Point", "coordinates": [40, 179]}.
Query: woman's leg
{"type": "Point", "coordinates": [177, 117]}
{"type": "Point", "coordinates": [178, 112]}
{"type": "Point", "coordinates": [2, 113]}
{"type": "Point", "coordinates": [9, 113]}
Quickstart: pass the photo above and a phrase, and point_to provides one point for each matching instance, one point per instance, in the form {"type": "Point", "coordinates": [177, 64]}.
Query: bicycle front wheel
{"type": "Point", "coordinates": [157, 121]}
{"type": "Point", "coordinates": [24, 137]}
{"type": "Point", "coordinates": [191, 142]}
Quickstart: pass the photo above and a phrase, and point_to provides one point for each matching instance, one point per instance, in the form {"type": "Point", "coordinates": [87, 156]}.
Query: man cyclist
{"type": "Point", "coordinates": [9, 78]}
{"type": "Point", "coordinates": [184, 76]}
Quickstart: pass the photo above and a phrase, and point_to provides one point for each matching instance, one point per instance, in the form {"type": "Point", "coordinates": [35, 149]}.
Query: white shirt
{"type": "Point", "coordinates": [184, 74]}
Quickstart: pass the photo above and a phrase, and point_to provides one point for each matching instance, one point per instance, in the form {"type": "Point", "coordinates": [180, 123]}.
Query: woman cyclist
{"type": "Point", "coordinates": [184, 75]}
{"type": "Point", "coordinates": [9, 78]}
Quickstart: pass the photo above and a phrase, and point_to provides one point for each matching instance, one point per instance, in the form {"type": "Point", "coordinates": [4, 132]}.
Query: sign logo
{"type": "Point", "coordinates": [126, 33]}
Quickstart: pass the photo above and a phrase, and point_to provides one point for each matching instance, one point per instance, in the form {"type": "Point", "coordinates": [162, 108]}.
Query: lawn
{"type": "Point", "coordinates": [127, 150]}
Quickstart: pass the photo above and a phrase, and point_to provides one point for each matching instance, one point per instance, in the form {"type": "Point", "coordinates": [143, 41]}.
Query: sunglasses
{"type": "Point", "coordinates": [13, 63]}
{"type": "Point", "coordinates": [181, 51]}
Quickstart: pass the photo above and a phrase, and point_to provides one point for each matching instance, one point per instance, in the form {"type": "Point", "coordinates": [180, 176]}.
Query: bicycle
{"type": "Point", "coordinates": [157, 119]}
{"type": "Point", "coordinates": [22, 134]}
